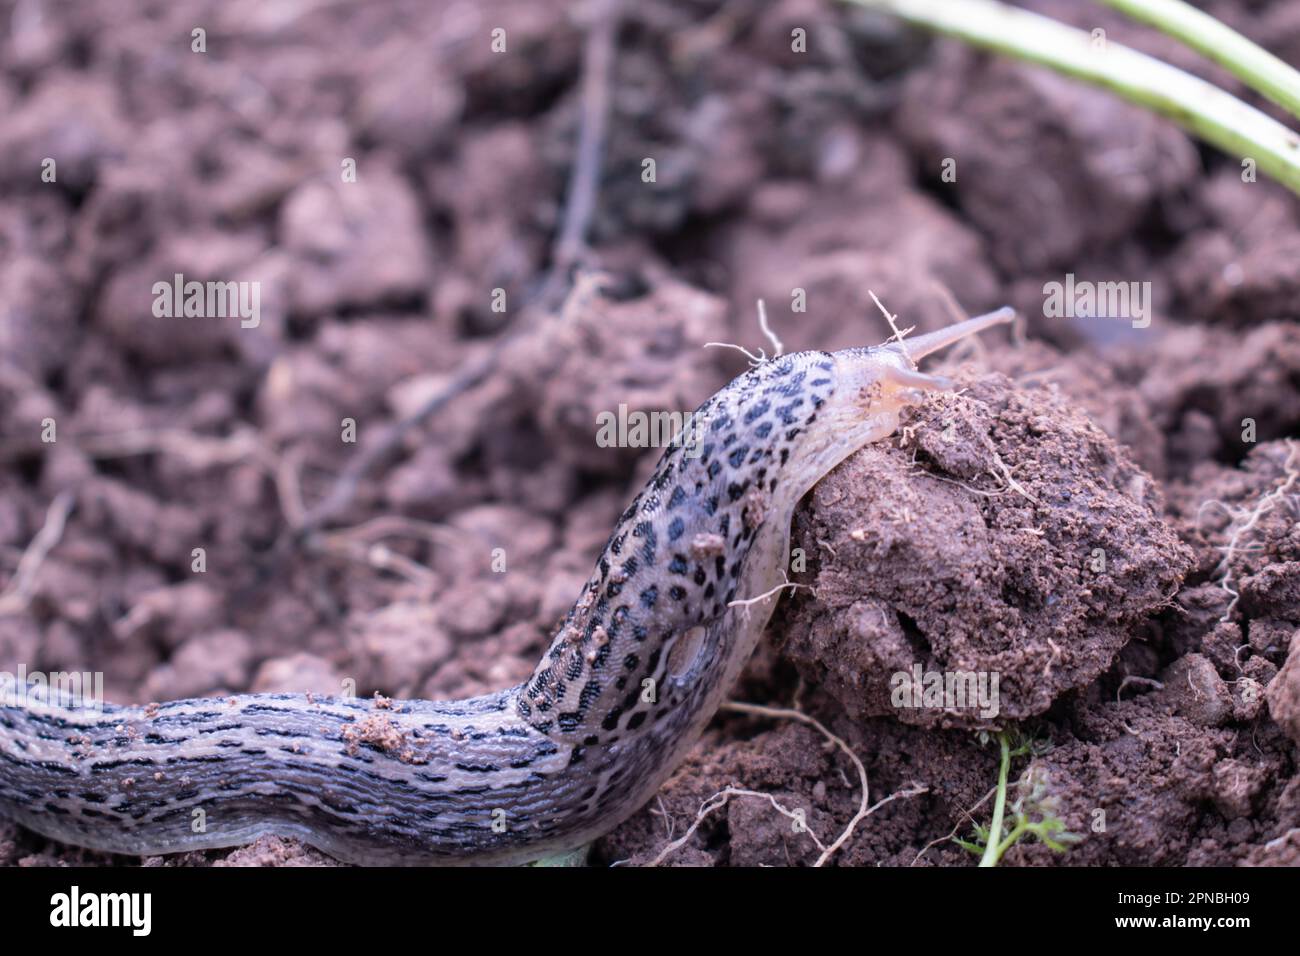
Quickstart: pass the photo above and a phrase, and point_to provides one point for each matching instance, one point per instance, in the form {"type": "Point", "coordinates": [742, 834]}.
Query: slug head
{"type": "Point", "coordinates": [883, 379]}
{"type": "Point", "coordinates": [873, 385]}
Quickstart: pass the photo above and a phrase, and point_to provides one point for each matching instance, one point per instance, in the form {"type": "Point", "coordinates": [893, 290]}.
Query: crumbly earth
{"type": "Point", "coordinates": [1105, 516]}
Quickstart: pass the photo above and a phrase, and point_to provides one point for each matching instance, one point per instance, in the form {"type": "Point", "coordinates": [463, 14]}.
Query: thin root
{"type": "Point", "coordinates": [1244, 522]}
{"type": "Point", "coordinates": [893, 324]}
{"type": "Point", "coordinates": [767, 594]}
{"type": "Point", "coordinates": [723, 796]}
{"type": "Point", "coordinates": [778, 347]}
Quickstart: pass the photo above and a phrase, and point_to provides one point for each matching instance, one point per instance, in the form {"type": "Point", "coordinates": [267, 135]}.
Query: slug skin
{"type": "Point", "coordinates": [636, 669]}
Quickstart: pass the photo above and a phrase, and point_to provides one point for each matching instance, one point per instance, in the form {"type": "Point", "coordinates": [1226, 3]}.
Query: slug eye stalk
{"type": "Point", "coordinates": [886, 376]}
{"type": "Point", "coordinates": [919, 346]}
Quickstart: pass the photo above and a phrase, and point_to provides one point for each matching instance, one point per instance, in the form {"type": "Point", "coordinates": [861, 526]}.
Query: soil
{"type": "Point", "coordinates": [1103, 515]}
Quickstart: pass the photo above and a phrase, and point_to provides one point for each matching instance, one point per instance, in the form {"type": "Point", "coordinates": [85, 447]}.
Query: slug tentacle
{"type": "Point", "coordinates": [919, 346]}
{"type": "Point", "coordinates": [677, 600]}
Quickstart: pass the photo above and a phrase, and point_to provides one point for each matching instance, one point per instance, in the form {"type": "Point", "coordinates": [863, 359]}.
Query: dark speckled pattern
{"type": "Point", "coordinates": [635, 671]}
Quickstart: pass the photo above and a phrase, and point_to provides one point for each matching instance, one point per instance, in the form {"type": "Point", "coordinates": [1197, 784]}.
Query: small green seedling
{"type": "Point", "coordinates": [1033, 813]}
{"type": "Point", "coordinates": [570, 858]}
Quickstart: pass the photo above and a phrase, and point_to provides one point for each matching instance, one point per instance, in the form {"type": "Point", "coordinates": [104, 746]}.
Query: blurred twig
{"type": "Point", "coordinates": [19, 592]}
{"type": "Point", "coordinates": [345, 486]}
{"type": "Point", "coordinates": [598, 59]}
{"type": "Point", "coordinates": [584, 176]}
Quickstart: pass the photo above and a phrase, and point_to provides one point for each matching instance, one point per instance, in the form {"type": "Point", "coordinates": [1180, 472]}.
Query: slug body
{"type": "Point", "coordinates": [677, 601]}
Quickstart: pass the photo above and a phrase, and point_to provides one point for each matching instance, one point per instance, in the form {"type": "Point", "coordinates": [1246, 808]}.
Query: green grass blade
{"type": "Point", "coordinates": [1200, 107]}
{"type": "Point", "coordinates": [1250, 63]}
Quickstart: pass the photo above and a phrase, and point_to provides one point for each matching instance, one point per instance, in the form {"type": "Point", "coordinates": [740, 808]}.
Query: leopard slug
{"type": "Point", "coordinates": [677, 601]}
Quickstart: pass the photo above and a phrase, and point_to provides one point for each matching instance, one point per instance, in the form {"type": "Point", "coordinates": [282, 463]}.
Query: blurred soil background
{"type": "Point", "coordinates": [1163, 691]}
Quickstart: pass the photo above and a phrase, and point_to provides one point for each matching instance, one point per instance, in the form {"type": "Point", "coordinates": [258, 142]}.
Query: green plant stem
{"type": "Point", "coordinates": [993, 847]}
{"type": "Point", "coordinates": [1250, 63]}
{"type": "Point", "coordinates": [1019, 830]}
{"type": "Point", "coordinates": [1200, 107]}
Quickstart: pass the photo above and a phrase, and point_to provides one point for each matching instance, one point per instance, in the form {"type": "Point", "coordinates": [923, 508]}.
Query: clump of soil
{"type": "Point", "coordinates": [1105, 516]}
{"type": "Point", "coordinates": [1002, 533]}
{"type": "Point", "coordinates": [1155, 749]}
